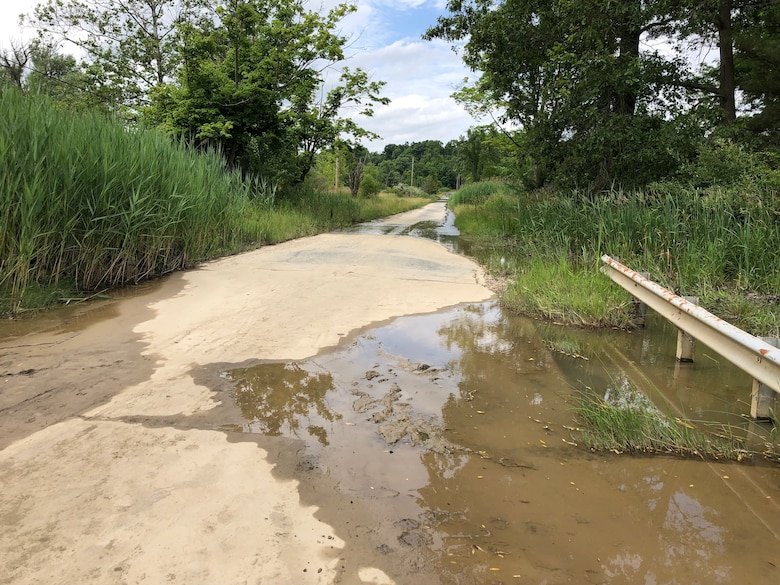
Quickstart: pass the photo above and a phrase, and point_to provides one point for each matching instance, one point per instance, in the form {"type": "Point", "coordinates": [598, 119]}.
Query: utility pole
{"type": "Point", "coordinates": [411, 182]}
{"type": "Point", "coordinates": [336, 183]}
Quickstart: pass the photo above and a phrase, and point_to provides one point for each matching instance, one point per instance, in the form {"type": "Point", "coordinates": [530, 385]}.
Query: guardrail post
{"type": "Point", "coordinates": [763, 398]}
{"type": "Point", "coordinates": [685, 343]}
{"type": "Point", "coordinates": [639, 313]}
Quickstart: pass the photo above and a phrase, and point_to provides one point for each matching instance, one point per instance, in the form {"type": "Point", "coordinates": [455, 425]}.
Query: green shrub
{"type": "Point", "coordinates": [403, 190]}
{"type": "Point", "coordinates": [369, 186]}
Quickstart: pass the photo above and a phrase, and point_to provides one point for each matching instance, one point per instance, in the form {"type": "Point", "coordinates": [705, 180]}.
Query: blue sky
{"type": "Point", "coordinates": [420, 75]}
{"type": "Point", "coordinates": [384, 40]}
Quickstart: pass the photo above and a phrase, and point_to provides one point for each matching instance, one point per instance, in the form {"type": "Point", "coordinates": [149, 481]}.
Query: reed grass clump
{"type": "Point", "coordinates": [87, 199]}
{"type": "Point", "coordinates": [625, 421]}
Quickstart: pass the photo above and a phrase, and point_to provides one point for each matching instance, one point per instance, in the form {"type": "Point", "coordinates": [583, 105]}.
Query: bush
{"type": "Point", "coordinates": [369, 186]}
{"type": "Point", "coordinates": [403, 190]}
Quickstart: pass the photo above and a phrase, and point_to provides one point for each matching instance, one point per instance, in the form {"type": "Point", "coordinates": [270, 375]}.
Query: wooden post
{"type": "Point", "coordinates": [763, 399]}
{"type": "Point", "coordinates": [685, 343]}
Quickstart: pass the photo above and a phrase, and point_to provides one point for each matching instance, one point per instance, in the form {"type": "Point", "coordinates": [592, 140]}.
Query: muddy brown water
{"type": "Point", "coordinates": [456, 428]}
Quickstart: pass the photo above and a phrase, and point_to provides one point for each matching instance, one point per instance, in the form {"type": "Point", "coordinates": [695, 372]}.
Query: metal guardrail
{"type": "Point", "coordinates": [751, 354]}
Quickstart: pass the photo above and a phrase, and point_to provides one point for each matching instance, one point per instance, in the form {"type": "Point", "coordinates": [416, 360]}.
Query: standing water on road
{"type": "Point", "coordinates": [454, 436]}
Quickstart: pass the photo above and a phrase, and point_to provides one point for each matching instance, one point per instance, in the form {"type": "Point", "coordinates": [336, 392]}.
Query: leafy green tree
{"type": "Point", "coordinates": [757, 64]}
{"type": "Point", "coordinates": [573, 77]}
{"type": "Point", "coordinates": [250, 85]}
{"type": "Point", "coordinates": [370, 185]}
{"type": "Point", "coordinates": [130, 46]}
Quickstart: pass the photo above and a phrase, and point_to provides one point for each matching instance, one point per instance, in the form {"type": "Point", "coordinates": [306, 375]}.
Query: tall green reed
{"type": "Point", "coordinates": [83, 197]}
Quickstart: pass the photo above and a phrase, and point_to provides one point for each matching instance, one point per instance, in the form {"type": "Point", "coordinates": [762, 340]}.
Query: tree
{"type": "Point", "coordinates": [355, 169]}
{"type": "Point", "coordinates": [250, 84]}
{"type": "Point", "coordinates": [471, 153]}
{"type": "Point", "coordinates": [369, 186]}
{"type": "Point", "coordinates": [572, 76]}
{"type": "Point", "coordinates": [130, 46]}
{"type": "Point", "coordinates": [13, 63]}
{"type": "Point", "coordinates": [757, 65]}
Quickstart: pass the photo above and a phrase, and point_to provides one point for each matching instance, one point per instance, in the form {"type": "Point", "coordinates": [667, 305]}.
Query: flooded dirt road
{"type": "Point", "coordinates": [117, 464]}
{"type": "Point", "coordinates": [275, 418]}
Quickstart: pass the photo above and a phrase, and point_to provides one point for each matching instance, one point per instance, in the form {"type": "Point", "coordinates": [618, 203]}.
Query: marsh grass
{"type": "Point", "coordinates": [476, 193]}
{"type": "Point", "coordinates": [87, 204]}
{"type": "Point", "coordinates": [565, 345]}
{"type": "Point", "coordinates": [625, 421]}
{"type": "Point", "coordinates": [565, 292]}
{"type": "Point", "coordinates": [718, 243]}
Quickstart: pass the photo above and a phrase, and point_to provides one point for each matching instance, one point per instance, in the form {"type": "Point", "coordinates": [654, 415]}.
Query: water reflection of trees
{"type": "Point", "coordinates": [283, 397]}
{"type": "Point", "coordinates": [486, 337]}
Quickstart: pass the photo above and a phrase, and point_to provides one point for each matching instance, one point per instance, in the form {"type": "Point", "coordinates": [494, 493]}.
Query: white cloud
{"type": "Point", "coordinates": [420, 77]}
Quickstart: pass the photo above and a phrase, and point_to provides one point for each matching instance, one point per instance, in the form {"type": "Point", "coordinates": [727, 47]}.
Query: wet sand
{"type": "Point", "coordinates": [106, 476]}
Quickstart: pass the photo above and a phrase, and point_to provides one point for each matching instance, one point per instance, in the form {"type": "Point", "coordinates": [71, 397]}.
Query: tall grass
{"type": "Point", "coordinates": [700, 241]}
{"type": "Point", "coordinates": [87, 201]}
{"type": "Point", "coordinates": [475, 193]}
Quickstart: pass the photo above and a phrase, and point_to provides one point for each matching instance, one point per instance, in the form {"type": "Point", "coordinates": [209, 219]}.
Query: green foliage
{"type": "Point", "coordinates": [369, 186]}
{"type": "Point", "coordinates": [597, 107]}
{"type": "Point", "coordinates": [86, 204]}
{"type": "Point", "coordinates": [251, 84]}
{"type": "Point", "coordinates": [429, 158]}
{"type": "Point", "coordinates": [716, 243]}
{"type": "Point", "coordinates": [129, 47]}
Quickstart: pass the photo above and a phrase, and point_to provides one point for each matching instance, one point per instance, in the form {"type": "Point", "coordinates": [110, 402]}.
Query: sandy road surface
{"type": "Point", "coordinates": [102, 483]}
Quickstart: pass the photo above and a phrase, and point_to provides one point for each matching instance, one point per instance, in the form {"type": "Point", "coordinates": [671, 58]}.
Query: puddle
{"type": "Point", "coordinates": [454, 429]}
{"type": "Point", "coordinates": [443, 232]}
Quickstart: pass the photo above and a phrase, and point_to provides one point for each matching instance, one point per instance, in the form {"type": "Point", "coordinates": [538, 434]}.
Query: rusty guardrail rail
{"type": "Point", "coordinates": [753, 355]}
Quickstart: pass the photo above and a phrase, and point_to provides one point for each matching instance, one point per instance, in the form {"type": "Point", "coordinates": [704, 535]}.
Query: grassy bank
{"type": "Point", "coordinates": [718, 243]}
{"type": "Point", "coordinates": [87, 204]}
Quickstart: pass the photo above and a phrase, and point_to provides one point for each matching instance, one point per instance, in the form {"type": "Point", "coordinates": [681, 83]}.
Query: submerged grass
{"type": "Point", "coordinates": [87, 204]}
{"type": "Point", "coordinates": [625, 421]}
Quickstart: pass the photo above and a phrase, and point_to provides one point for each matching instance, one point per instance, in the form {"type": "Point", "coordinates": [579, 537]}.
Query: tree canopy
{"type": "Point", "coordinates": [250, 78]}
{"type": "Point", "coordinates": [595, 102]}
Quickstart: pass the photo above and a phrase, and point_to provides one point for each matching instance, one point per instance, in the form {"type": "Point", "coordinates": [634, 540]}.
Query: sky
{"type": "Point", "coordinates": [384, 39]}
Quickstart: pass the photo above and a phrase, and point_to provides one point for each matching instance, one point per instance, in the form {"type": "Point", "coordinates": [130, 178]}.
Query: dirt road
{"type": "Point", "coordinates": [118, 464]}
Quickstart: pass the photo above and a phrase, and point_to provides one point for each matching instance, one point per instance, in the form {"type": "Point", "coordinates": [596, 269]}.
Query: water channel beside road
{"type": "Point", "coordinates": [456, 431]}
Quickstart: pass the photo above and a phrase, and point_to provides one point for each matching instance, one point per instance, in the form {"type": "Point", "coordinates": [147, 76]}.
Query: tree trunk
{"type": "Point", "coordinates": [726, 46]}
{"type": "Point", "coordinates": [629, 54]}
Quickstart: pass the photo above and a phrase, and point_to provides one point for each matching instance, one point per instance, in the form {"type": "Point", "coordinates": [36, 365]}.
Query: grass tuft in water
{"type": "Point", "coordinates": [625, 421]}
